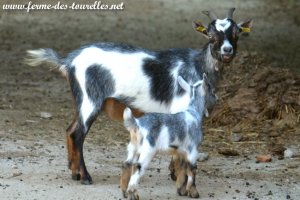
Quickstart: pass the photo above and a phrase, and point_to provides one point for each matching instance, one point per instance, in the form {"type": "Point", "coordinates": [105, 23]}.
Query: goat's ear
{"type": "Point", "coordinates": [245, 27]}
{"type": "Point", "coordinates": [184, 84]}
{"type": "Point", "coordinates": [198, 26]}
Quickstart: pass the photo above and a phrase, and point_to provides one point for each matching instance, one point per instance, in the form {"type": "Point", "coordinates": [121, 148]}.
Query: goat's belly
{"type": "Point", "coordinates": [142, 100]}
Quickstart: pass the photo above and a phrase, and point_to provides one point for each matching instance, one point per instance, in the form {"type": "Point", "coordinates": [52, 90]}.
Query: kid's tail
{"type": "Point", "coordinates": [129, 120]}
{"type": "Point", "coordinates": [40, 56]}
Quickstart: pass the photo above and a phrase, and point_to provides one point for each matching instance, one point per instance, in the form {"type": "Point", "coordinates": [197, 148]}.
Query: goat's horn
{"type": "Point", "coordinates": [230, 13]}
{"type": "Point", "coordinates": [210, 14]}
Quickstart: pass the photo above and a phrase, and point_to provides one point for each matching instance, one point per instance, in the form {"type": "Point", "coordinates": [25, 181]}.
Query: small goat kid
{"type": "Point", "coordinates": [137, 77]}
{"type": "Point", "coordinates": [179, 133]}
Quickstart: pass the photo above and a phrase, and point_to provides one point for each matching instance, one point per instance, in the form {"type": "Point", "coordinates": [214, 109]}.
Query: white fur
{"type": "Point", "coordinates": [211, 62]}
{"type": "Point", "coordinates": [87, 106]}
{"type": "Point", "coordinates": [188, 118]}
{"type": "Point", "coordinates": [225, 44]}
{"type": "Point", "coordinates": [134, 180]}
{"type": "Point", "coordinates": [131, 151]}
{"type": "Point", "coordinates": [190, 180]}
{"type": "Point", "coordinates": [222, 24]}
{"type": "Point", "coordinates": [126, 69]}
{"type": "Point", "coordinates": [163, 140]}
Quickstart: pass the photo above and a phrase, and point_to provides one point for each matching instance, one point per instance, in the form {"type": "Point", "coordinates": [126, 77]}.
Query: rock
{"type": "Point", "coordinates": [264, 158]}
{"type": "Point", "coordinates": [45, 115]}
{"type": "Point", "coordinates": [202, 156]}
{"type": "Point", "coordinates": [288, 153]}
{"type": "Point", "coordinates": [228, 152]}
{"type": "Point", "coordinates": [236, 137]}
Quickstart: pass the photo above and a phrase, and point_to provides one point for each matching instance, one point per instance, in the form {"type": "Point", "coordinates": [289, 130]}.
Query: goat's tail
{"type": "Point", "coordinates": [39, 56]}
{"type": "Point", "coordinates": [129, 120]}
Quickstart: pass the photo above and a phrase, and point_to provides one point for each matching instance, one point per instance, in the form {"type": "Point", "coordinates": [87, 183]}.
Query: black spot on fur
{"type": "Point", "coordinates": [75, 88]}
{"type": "Point", "coordinates": [162, 83]}
{"type": "Point", "coordinates": [152, 138]}
{"type": "Point", "coordinates": [99, 84]}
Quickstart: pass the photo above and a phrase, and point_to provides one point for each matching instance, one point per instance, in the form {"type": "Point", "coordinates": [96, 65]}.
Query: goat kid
{"type": "Point", "coordinates": [179, 133]}
{"type": "Point", "coordinates": [137, 77]}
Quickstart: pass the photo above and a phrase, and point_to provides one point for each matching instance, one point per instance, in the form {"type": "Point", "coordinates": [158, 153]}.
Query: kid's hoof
{"type": "Point", "coordinates": [134, 196]}
{"type": "Point", "coordinates": [76, 177]}
{"type": "Point", "coordinates": [193, 193]}
{"type": "Point", "coordinates": [173, 176]}
{"type": "Point", "coordinates": [125, 194]}
{"type": "Point", "coordinates": [182, 191]}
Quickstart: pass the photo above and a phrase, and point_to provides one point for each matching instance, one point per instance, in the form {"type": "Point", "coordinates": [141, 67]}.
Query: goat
{"type": "Point", "coordinates": [137, 77]}
{"type": "Point", "coordinates": [179, 133]}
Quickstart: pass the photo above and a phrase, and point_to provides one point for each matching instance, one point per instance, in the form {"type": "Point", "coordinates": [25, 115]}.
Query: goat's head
{"type": "Point", "coordinates": [223, 34]}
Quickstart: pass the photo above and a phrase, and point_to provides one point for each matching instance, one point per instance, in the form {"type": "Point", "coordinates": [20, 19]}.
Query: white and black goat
{"type": "Point", "coordinates": [140, 78]}
{"type": "Point", "coordinates": [179, 133]}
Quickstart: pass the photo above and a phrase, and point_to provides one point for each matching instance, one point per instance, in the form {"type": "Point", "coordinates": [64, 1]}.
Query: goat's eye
{"type": "Point", "coordinates": [211, 37]}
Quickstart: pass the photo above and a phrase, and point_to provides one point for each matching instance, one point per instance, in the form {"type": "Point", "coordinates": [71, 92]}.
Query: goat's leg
{"type": "Point", "coordinates": [78, 137]}
{"type": "Point", "coordinates": [73, 155]}
{"type": "Point", "coordinates": [75, 138]}
{"type": "Point", "coordinates": [125, 177]}
{"type": "Point", "coordinates": [145, 157]}
{"type": "Point", "coordinates": [172, 167]}
{"type": "Point", "coordinates": [181, 174]}
{"type": "Point", "coordinates": [191, 172]}
{"type": "Point", "coordinates": [191, 185]}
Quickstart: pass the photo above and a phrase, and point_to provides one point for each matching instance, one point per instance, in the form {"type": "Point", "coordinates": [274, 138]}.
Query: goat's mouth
{"type": "Point", "coordinates": [226, 58]}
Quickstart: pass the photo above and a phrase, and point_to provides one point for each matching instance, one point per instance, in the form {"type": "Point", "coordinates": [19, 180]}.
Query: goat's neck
{"type": "Point", "coordinates": [207, 63]}
{"type": "Point", "coordinates": [196, 108]}
{"type": "Point", "coordinates": [211, 64]}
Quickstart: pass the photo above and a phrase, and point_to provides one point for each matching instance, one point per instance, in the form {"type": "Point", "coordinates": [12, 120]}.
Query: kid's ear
{"type": "Point", "coordinates": [245, 27]}
{"type": "Point", "coordinates": [184, 84]}
{"type": "Point", "coordinates": [198, 26]}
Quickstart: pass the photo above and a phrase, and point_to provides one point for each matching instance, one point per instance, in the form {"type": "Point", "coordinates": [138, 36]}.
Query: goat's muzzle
{"type": "Point", "coordinates": [227, 58]}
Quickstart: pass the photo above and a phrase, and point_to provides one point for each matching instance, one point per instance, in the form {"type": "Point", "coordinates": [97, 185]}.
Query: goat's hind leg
{"type": "Point", "coordinates": [76, 134]}
{"type": "Point", "coordinates": [73, 155]}
{"type": "Point", "coordinates": [127, 166]}
{"type": "Point", "coordinates": [125, 177]}
{"type": "Point", "coordinates": [172, 167]}
{"type": "Point", "coordinates": [180, 166]}
{"type": "Point", "coordinates": [146, 155]}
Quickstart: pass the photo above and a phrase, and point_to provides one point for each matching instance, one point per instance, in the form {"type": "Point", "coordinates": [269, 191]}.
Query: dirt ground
{"type": "Point", "coordinates": [258, 112]}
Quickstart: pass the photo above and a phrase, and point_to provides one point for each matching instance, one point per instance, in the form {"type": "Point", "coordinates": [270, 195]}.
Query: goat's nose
{"type": "Point", "coordinates": [227, 49]}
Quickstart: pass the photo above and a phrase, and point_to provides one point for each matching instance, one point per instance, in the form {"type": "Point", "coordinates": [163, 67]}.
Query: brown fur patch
{"type": "Point", "coordinates": [125, 177]}
{"type": "Point", "coordinates": [73, 155]}
{"type": "Point", "coordinates": [114, 109]}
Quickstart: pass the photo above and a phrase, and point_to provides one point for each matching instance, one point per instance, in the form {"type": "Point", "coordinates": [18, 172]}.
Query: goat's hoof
{"type": "Point", "coordinates": [173, 176]}
{"type": "Point", "coordinates": [76, 177]}
{"type": "Point", "coordinates": [125, 194]}
{"type": "Point", "coordinates": [193, 193]}
{"type": "Point", "coordinates": [87, 180]}
{"type": "Point", "coordinates": [133, 195]}
{"type": "Point", "coordinates": [182, 191]}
